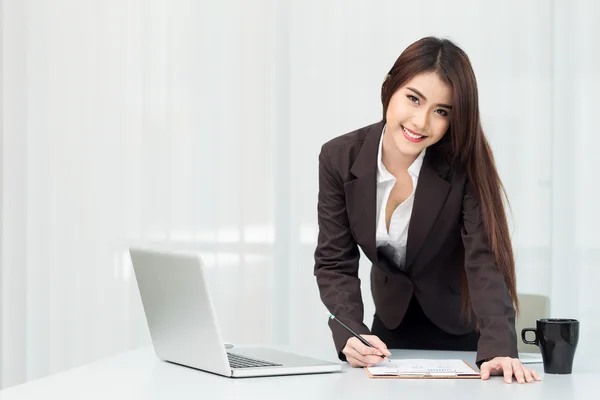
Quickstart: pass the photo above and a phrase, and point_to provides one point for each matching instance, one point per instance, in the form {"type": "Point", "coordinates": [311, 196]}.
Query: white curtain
{"type": "Point", "coordinates": [131, 122]}
{"type": "Point", "coordinates": [197, 124]}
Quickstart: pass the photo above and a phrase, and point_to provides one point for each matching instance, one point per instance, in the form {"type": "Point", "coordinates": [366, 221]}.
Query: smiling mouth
{"type": "Point", "coordinates": [412, 136]}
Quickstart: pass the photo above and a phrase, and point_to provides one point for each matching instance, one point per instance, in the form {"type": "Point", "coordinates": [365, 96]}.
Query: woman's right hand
{"type": "Point", "coordinates": [361, 355]}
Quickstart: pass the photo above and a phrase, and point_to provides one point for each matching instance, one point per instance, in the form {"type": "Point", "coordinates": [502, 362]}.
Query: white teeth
{"type": "Point", "coordinates": [412, 135]}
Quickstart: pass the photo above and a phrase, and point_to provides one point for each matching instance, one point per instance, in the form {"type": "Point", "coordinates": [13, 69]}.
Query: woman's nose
{"type": "Point", "coordinates": [420, 121]}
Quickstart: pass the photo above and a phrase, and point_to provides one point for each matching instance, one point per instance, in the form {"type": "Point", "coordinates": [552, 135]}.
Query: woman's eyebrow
{"type": "Point", "coordinates": [448, 106]}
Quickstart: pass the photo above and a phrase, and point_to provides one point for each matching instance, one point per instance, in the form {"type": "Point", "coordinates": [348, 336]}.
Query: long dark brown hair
{"type": "Point", "coordinates": [464, 143]}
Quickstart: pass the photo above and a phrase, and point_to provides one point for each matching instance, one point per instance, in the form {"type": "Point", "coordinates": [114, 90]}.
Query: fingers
{"type": "Point", "coordinates": [508, 367]}
{"type": "Point", "coordinates": [361, 355]}
{"type": "Point", "coordinates": [521, 372]}
{"type": "Point", "coordinates": [489, 368]}
{"type": "Point", "coordinates": [354, 362]}
{"type": "Point", "coordinates": [535, 375]}
{"type": "Point", "coordinates": [528, 374]}
{"type": "Point", "coordinates": [361, 359]}
{"type": "Point", "coordinates": [508, 370]}
{"type": "Point", "coordinates": [375, 341]}
{"type": "Point", "coordinates": [363, 348]}
{"type": "Point", "coordinates": [484, 371]}
{"type": "Point", "coordinates": [518, 370]}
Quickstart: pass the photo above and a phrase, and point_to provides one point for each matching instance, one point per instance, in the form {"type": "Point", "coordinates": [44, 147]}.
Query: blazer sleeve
{"type": "Point", "coordinates": [489, 294]}
{"type": "Point", "coordinates": [336, 257]}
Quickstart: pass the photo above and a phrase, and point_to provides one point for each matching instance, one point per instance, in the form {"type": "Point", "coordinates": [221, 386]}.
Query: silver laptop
{"type": "Point", "coordinates": [183, 324]}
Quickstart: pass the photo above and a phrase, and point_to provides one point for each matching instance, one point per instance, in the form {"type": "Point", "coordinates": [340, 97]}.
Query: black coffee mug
{"type": "Point", "coordinates": [557, 339]}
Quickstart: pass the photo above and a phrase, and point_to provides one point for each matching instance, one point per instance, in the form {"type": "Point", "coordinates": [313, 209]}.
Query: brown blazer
{"type": "Point", "coordinates": [445, 234]}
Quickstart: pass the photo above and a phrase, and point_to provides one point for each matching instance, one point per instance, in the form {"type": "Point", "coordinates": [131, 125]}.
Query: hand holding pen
{"type": "Point", "coordinates": [363, 350]}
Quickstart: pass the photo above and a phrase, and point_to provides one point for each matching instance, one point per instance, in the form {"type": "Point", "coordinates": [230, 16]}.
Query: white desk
{"type": "Point", "coordinates": [140, 375]}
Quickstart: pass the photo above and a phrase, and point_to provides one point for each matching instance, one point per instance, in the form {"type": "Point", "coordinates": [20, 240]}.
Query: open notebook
{"type": "Point", "coordinates": [421, 368]}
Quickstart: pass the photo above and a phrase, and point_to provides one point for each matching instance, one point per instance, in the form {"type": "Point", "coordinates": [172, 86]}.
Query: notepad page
{"type": "Point", "coordinates": [421, 366]}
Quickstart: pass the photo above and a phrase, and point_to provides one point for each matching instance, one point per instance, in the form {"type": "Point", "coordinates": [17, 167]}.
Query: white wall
{"type": "Point", "coordinates": [198, 124]}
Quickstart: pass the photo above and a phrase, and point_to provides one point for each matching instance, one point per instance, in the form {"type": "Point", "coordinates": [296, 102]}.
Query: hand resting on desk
{"type": "Point", "coordinates": [508, 367]}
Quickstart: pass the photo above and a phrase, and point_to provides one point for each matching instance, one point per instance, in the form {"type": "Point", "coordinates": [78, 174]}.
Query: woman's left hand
{"type": "Point", "coordinates": [508, 367]}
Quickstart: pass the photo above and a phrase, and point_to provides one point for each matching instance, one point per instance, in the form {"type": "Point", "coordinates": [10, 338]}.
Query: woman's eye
{"type": "Point", "coordinates": [412, 98]}
{"type": "Point", "coordinates": [442, 112]}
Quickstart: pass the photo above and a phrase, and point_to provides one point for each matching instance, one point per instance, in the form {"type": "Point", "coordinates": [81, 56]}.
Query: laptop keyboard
{"type": "Point", "coordinates": [237, 361]}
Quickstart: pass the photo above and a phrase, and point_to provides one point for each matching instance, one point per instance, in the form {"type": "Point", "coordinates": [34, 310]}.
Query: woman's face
{"type": "Point", "coordinates": [418, 115]}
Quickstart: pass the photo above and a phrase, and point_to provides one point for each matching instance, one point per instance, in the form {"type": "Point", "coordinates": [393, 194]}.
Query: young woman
{"type": "Point", "coordinates": [419, 193]}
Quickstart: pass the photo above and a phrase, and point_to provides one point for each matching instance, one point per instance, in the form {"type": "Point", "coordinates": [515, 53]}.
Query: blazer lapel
{"type": "Point", "coordinates": [361, 193]}
{"type": "Point", "coordinates": [430, 196]}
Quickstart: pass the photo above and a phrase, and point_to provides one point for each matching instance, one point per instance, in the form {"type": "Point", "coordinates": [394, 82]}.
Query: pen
{"type": "Point", "coordinates": [362, 339]}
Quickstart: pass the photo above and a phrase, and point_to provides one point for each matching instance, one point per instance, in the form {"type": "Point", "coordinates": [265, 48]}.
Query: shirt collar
{"type": "Point", "coordinates": [384, 175]}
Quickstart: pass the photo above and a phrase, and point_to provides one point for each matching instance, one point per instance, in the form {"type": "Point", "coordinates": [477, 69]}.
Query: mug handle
{"type": "Point", "coordinates": [535, 339]}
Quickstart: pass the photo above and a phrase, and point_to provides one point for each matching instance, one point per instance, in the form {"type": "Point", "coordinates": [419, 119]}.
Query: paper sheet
{"type": "Point", "coordinates": [530, 358]}
{"type": "Point", "coordinates": [422, 367]}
